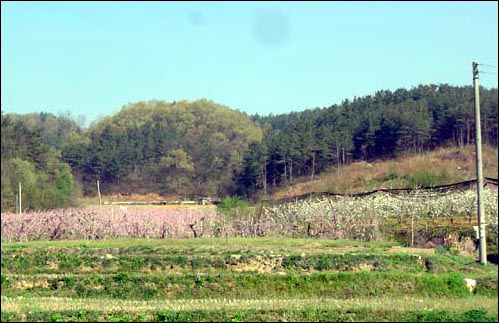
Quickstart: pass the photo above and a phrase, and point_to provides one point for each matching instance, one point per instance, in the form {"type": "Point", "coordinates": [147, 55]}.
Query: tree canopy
{"type": "Point", "coordinates": [27, 158]}
{"type": "Point", "coordinates": [181, 148]}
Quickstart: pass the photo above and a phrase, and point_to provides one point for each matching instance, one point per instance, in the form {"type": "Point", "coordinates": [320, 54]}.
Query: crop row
{"type": "Point", "coordinates": [104, 223]}
{"type": "Point", "coordinates": [343, 285]}
{"type": "Point", "coordinates": [359, 217]}
{"type": "Point", "coordinates": [108, 261]}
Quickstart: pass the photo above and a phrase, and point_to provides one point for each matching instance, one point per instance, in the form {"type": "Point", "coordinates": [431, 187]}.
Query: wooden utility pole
{"type": "Point", "coordinates": [479, 172]}
{"type": "Point", "coordinates": [20, 199]}
{"type": "Point", "coordinates": [98, 192]}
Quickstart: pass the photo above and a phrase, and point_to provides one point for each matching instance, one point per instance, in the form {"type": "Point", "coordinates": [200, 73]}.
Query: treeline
{"type": "Point", "coordinates": [187, 149]}
{"type": "Point", "coordinates": [30, 155]}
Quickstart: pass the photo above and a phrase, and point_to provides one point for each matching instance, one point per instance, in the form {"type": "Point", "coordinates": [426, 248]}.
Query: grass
{"type": "Point", "coordinates": [133, 306]}
{"type": "Point", "coordinates": [309, 314]}
{"type": "Point", "coordinates": [241, 279]}
{"type": "Point", "coordinates": [266, 243]}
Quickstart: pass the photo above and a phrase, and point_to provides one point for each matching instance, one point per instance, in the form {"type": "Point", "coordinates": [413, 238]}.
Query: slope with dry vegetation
{"type": "Point", "coordinates": [439, 167]}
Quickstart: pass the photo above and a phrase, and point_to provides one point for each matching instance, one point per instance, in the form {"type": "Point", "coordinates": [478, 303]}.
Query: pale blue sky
{"type": "Point", "coordinates": [91, 58]}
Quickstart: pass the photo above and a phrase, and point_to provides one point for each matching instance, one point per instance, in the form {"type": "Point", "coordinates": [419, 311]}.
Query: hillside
{"type": "Point", "coordinates": [380, 126]}
{"type": "Point", "coordinates": [439, 167]}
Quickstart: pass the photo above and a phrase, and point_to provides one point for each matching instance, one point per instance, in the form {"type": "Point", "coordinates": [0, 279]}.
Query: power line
{"type": "Point", "coordinates": [487, 65]}
{"type": "Point", "coordinates": [482, 72]}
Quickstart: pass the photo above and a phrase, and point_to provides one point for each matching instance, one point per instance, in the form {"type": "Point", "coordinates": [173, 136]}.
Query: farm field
{"type": "Point", "coordinates": [241, 279]}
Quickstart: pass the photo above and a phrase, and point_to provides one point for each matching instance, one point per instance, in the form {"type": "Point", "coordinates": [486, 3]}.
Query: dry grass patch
{"type": "Point", "coordinates": [424, 251]}
{"type": "Point", "coordinates": [448, 165]}
{"type": "Point", "coordinates": [22, 304]}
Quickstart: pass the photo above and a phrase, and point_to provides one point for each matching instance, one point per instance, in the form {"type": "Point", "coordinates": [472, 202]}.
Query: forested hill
{"type": "Point", "coordinates": [384, 125]}
{"type": "Point", "coordinates": [187, 149]}
{"type": "Point", "coordinates": [179, 149]}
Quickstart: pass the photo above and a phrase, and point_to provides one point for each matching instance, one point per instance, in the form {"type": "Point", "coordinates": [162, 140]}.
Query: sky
{"type": "Point", "coordinates": [89, 59]}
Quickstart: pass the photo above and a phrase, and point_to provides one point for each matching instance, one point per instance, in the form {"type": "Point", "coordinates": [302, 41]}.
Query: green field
{"type": "Point", "coordinates": [241, 279]}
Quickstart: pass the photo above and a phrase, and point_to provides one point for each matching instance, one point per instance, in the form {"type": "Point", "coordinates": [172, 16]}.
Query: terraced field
{"type": "Point", "coordinates": [241, 279]}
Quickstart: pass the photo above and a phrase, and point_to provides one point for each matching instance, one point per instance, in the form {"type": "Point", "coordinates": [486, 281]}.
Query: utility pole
{"type": "Point", "coordinates": [98, 192]}
{"type": "Point", "coordinates": [20, 199]}
{"type": "Point", "coordinates": [479, 173]}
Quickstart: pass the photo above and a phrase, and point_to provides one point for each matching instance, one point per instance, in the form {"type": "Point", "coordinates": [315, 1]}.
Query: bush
{"type": "Point", "coordinates": [231, 203]}
{"type": "Point", "coordinates": [426, 179]}
{"type": "Point", "coordinates": [478, 315]}
{"type": "Point", "coordinates": [121, 278]}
